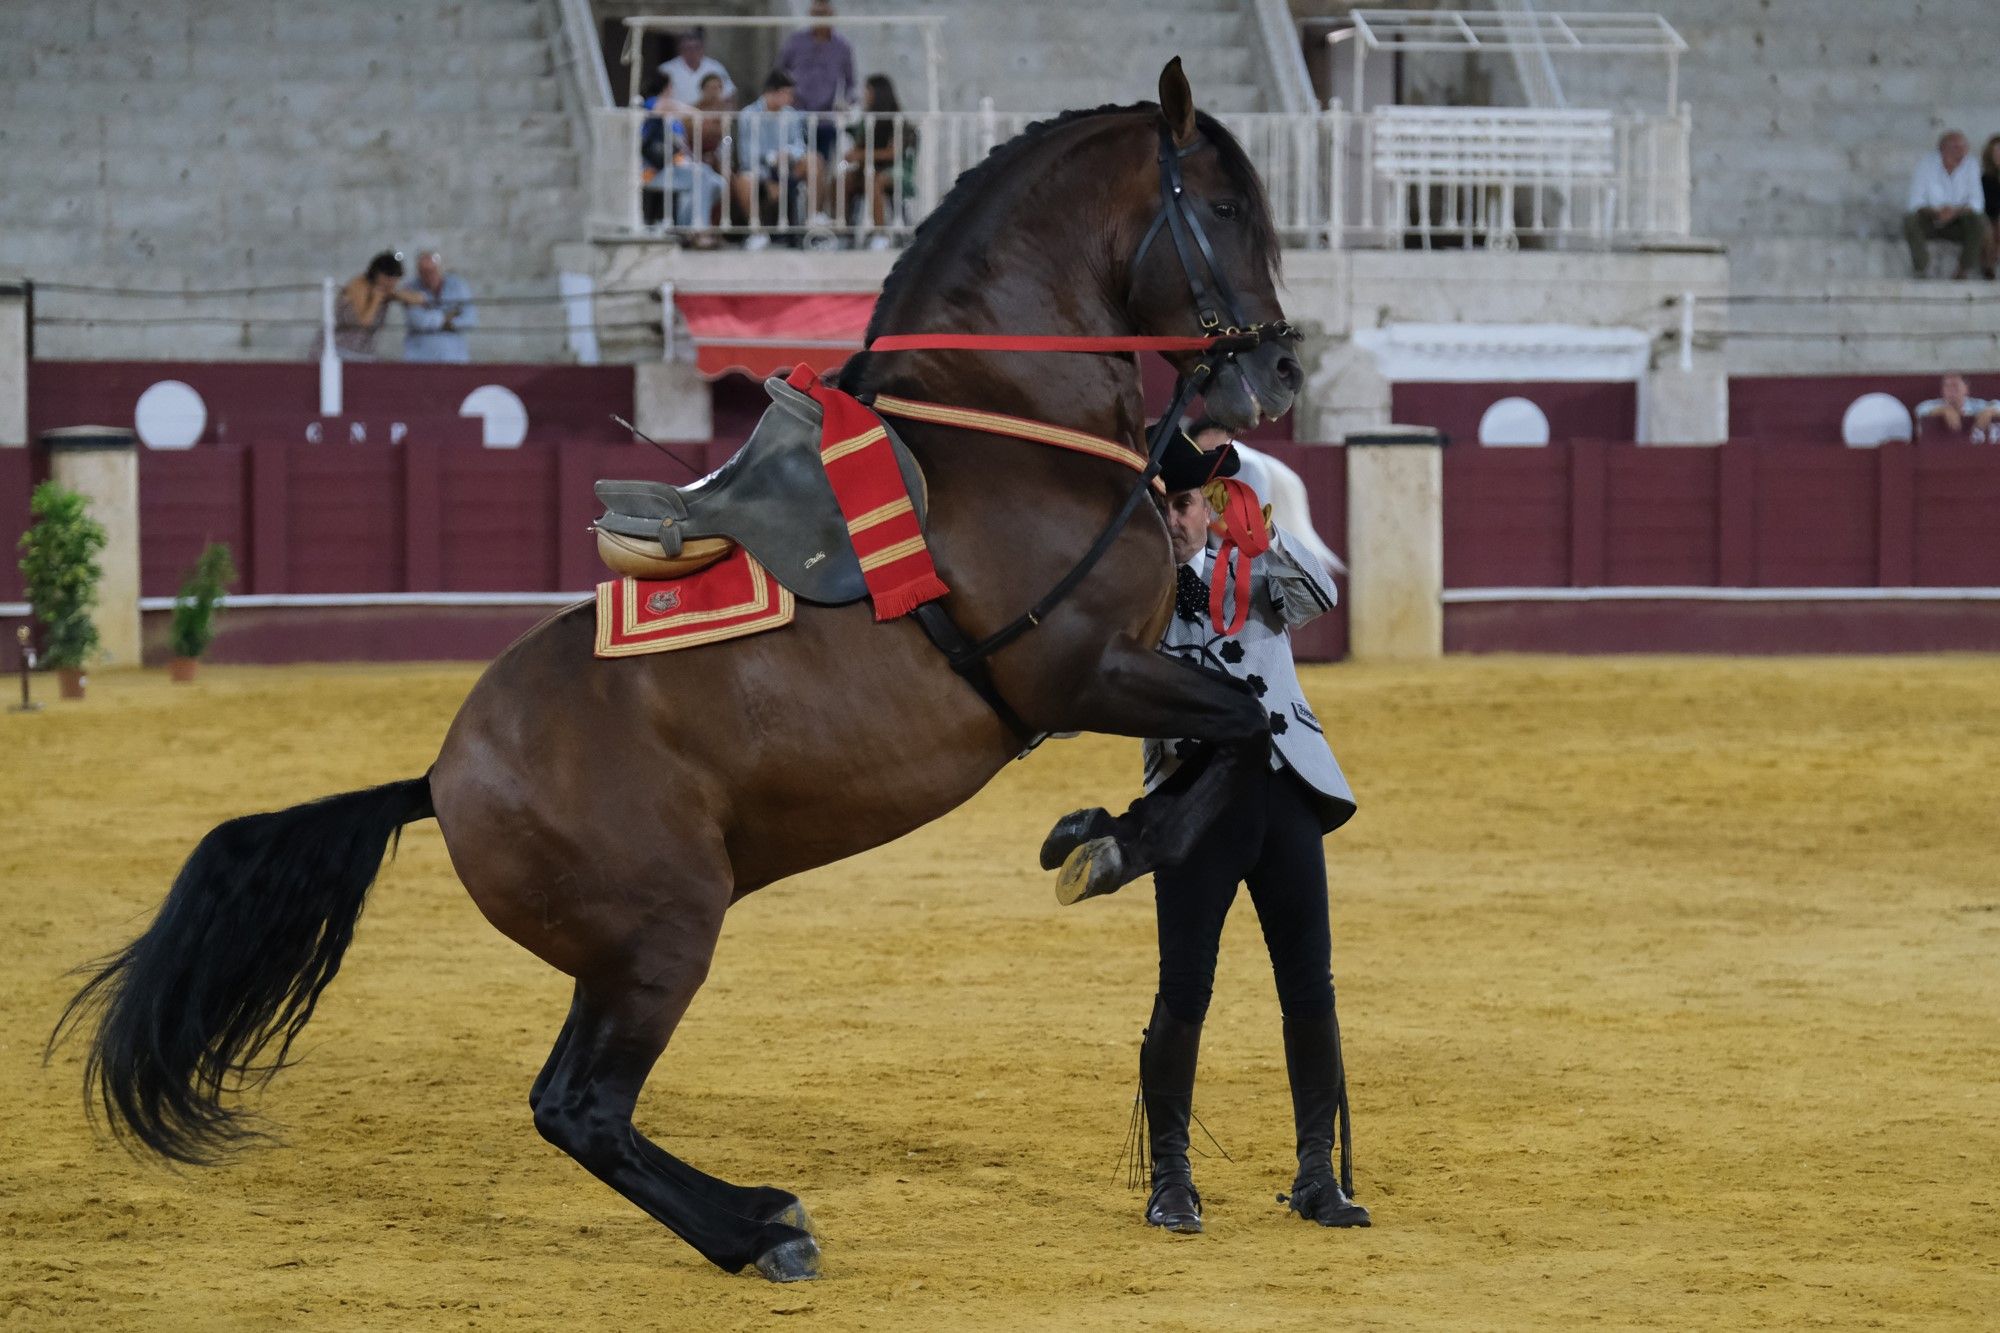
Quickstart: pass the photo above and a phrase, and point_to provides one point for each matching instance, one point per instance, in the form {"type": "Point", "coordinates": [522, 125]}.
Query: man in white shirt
{"type": "Point", "coordinates": [1956, 414]}
{"type": "Point", "coordinates": [693, 64]}
{"type": "Point", "coordinates": [1946, 203]}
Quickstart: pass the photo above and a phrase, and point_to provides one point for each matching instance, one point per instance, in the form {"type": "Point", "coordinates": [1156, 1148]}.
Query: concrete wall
{"type": "Point", "coordinates": [165, 145]}
{"type": "Point", "coordinates": [13, 366]}
{"type": "Point", "coordinates": [1335, 293]}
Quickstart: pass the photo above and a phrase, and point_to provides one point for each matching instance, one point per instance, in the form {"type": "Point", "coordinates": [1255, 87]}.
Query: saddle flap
{"type": "Point", "coordinates": [654, 500]}
{"type": "Point", "coordinates": [772, 498]}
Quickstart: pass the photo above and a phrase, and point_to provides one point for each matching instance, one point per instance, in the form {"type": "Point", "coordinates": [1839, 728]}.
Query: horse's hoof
{"type": "Point", "coordinates": [795, 1215]}
{"type": "Point", "coordinates": [790, 1261]}
{"type": "Point", "coordinates": [1072, 831]}
{"type": "Point", "coordinates": [1097, 867]}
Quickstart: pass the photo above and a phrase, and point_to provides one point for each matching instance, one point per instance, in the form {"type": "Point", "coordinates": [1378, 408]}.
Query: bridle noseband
{"type": "Point", "coordinates": [1177, 216]}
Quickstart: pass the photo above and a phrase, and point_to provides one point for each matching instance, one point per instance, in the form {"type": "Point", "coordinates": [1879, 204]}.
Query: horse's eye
{"type": "Point", "coordinates": [1228, 210]}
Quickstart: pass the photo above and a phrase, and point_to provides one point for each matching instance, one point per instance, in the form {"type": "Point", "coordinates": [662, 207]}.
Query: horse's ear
{"type": "Point", "coordinates": [1177, 103]}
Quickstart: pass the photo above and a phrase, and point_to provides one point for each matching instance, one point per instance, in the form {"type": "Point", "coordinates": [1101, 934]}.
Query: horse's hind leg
{"type": "Point", "coordinates": [583, 1104]}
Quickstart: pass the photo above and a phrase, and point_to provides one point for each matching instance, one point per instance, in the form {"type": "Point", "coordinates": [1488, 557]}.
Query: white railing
{"type": "Point", "coordinates": [1397, 176]}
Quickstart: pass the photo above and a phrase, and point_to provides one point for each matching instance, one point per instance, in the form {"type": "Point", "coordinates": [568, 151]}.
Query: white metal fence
{"type": "Point", "coordinates": [1394, 177]}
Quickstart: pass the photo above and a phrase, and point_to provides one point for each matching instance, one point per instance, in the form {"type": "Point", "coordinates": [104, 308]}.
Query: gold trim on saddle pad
{"type": "Point", "coordinates": [728, 600]}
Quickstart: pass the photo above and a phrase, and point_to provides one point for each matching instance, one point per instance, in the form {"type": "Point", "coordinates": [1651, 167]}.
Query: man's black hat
{"type": "Point", "coordinates": [1184, 466]}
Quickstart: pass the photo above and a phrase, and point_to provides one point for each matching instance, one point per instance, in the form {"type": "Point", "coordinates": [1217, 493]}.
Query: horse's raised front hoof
{"type": "Point", "coordinates": [1072, 831]}
{"type": "Point", "coordinates": [790, 1261]}
{"type": "Point", "coordinates": [1097, 867]}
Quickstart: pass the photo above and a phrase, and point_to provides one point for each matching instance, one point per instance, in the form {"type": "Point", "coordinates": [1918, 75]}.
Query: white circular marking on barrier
{"type": "Point", "coordinates": [1514, 421]}
{"type": "Point", "coordinates": [169, 415]}
{"type": "Point", "coordinates": [1873, 419]}
{"type": "Point", "coordinates": [503, 417]}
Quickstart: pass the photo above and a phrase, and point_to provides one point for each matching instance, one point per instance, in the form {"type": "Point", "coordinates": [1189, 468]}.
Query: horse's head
{"type": "Point", "coordinates": [1210, 258]}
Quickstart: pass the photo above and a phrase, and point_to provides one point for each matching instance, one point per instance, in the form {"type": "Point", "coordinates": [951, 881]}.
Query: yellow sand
{"type": "Point", "coordinates": [1670, 990]}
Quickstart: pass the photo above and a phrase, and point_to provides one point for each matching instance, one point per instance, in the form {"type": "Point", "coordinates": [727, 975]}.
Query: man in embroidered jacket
{"type": "Point", "coordinates": [1268, 839]}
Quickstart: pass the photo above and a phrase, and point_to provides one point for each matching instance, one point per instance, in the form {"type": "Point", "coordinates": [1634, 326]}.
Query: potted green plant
{"type": "Point", "coordinates": [59, 566]}
{"type": "Point", "coordinates": [193, 627]}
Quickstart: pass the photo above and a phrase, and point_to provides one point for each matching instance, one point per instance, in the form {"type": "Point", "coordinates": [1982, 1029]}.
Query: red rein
{"type": "Point", "coordinates": [1035, 342]}
{"type": "Point", "coordinates": [1246, 534]}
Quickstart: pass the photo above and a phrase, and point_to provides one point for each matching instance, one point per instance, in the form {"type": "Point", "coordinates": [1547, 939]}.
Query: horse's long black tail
{"type": "Point", "coordinates": [250, 934]}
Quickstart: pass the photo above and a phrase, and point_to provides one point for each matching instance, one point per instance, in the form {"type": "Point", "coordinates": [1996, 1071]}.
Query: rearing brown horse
{"type": "Point", "coordinates": [605, 814]}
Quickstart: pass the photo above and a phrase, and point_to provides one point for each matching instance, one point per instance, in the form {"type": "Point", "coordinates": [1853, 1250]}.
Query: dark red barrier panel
{"type": "Point", "coordinates": [1748, 514]}
{"type": "Point", "coordinates": [254, 401]}
{"type": "Point", "coordinates": [1577, 410]}
{"type": "Point", "coordinates": [1954, 496]}
{"type": "Point", "coordinates": [17, 484]}
{"type": "Point", "coordinates": [186, 500]}
{"type": "Point", "coordinates": [1506, 517]}
{"type": "Point", "coordinates": [1809, 407]}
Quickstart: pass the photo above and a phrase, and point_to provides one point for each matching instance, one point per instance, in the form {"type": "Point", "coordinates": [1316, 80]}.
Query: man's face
{"type": "Point", "coordinates": [1953, 390]}
{"type": "Point", "coordinates": [691, 50]}
{"type": "Point", "coordinates": [822, 10]}
{"type": "Point", "coordinates": [1187, 524]}
{"type": "Point", "coordinates": [430, 272]}
{"type": "Point", "coordinates": [1952, 148]}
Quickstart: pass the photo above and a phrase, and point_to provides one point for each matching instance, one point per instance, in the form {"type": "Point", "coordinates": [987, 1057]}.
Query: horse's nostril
{"type": "Point", "coordinates": [1289, 374]}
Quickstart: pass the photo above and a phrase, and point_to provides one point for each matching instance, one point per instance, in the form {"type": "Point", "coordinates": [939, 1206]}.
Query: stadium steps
{"type": "Point", "coordinates": [178, 144]}
{"type": "Point", "coordinates": [1054, 57]}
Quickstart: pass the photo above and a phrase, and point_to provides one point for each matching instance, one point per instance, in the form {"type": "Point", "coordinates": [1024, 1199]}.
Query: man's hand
{"type": "Point", "coordinates": [1947, 213]}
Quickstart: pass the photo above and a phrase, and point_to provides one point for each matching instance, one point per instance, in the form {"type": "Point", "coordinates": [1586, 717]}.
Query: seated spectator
{"type": "Point", "coordinates": [1989, 184]}
{"type": "Point", "coordinates": [777, 173]}
{"type": "Point", "coordinates": [715, 111]}
{"type": "Point", "coordinates": [1946, 204]}
{"type": "Point", "coordinates": [690, 65]}
{"type": "Point", "coordinates": [694, 189]}
{"type": "Point", "coordinates": [821, 64]}
{"type": "Point", "coordinates": [435, 323]}
{"type": "Point", "coordinates": [362, 305]}
{"type": "Point", "coordinates": [879, 168]}
{"type": "Point", "coordinates": [1955, 415]}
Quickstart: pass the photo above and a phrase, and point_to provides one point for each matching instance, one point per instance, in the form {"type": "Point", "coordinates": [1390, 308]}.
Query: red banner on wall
{"type": "Point", "coordinates": [762, 334]}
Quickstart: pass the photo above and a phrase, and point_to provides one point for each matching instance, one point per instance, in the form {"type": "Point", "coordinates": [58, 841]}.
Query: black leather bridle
{"type": "Point", "coordinates": [1213, 298]}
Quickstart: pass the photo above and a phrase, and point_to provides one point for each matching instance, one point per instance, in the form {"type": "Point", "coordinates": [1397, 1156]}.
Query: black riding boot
{"type": "Point", "coordinates": [1312, 1059]}
{"type": "Point", "coordinates": [1166, 1079]}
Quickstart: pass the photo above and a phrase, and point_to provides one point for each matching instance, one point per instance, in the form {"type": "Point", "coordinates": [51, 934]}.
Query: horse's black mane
{"type": "Point", "coordinates": [973, 181]}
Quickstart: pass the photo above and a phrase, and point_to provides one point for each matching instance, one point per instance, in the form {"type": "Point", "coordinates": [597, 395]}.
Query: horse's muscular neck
{"type": "Point", "coordinates": [1030, 255]}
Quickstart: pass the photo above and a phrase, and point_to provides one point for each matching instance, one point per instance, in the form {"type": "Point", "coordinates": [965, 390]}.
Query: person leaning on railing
{"type": "Point", "coordinates": [1946, 203]}
{"type": "Point", "coordinates": [1955, 415]}
{"type": "Point", "coordinates": [363, 304]}
{"type": "Point", "coordinates": [875, 148]}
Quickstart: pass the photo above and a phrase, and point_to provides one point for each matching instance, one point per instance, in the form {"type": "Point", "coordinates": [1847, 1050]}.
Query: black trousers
{"type": "Point", "coordinates": [1269, 840]}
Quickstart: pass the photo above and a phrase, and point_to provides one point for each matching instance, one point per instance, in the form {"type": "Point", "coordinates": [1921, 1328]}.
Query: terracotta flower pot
{"type": "Point", "coordinates": [73, 680]}
{"type": "Point", "coordinates": [181, 669]}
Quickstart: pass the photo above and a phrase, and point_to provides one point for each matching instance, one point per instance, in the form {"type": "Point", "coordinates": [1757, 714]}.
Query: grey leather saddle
{"type": "Point", "coordinates": [772, 498]}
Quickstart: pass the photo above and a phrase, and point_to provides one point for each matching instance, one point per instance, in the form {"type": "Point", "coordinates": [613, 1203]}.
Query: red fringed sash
{"type": "Point", "coordinates": [733, 597]}
{"type": "Point", "coordinates": [1246, 534]}
{"type": "Point", "coordinates": [881, 519]}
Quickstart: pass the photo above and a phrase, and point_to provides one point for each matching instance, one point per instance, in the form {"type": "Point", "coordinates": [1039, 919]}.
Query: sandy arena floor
{"type": "Point", "coordinates": [1671, 992]}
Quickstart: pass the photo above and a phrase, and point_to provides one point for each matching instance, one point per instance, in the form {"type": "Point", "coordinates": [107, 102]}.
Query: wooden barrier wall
{"type": "Point", "coordinates": [1744, 515]}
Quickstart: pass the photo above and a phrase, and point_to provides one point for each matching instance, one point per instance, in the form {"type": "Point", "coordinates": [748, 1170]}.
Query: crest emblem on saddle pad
{"type": "Point", "coordinates": [663, 601]}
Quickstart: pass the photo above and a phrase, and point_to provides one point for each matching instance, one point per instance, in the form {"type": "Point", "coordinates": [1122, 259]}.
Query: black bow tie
{"type": "Point", "coordinates": [1190, 595]}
